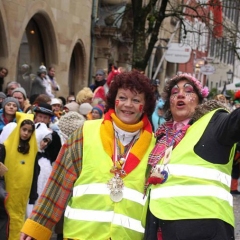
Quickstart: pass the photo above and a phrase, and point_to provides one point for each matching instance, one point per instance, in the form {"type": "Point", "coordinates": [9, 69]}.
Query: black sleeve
{"type": "Point", "coordinates": [54, 147]}
{"type": "Point", "coordinates": [33, 196]}
{"type": "Point", "coordinates": [227, 126]}
{"type": "Point", "coordinates": [223, 130]}
{"type": "Point", "coordinates": [2, 153]}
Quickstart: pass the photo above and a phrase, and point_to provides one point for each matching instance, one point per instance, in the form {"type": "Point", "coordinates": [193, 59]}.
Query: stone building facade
{"type": "Point", "coordinates": [77, 37]}
{"type": "Point", "coordinates": [50, 32]}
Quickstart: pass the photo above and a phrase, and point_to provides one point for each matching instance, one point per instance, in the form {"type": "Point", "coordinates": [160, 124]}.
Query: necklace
{"type": "Point", "coordinates": [116, 184]}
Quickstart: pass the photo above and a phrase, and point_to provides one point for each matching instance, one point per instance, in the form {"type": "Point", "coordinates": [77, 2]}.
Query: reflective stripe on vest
{"type": "Point", "coordinates": [101, 216]}
{"type": "Point", "coordinates": [195, 188]}
{"type": "Point", "coordinates": [91, 214]}
{"type": "Point", "coordinates": [193, 191]}
{"type": "Point", "coordinates": [199, 172]}
{"type": "Point", "coordinates": [101, 188]}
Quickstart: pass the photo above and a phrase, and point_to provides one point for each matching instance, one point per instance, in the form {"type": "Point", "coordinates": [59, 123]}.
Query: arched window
{"type": "Point", "coordinates": [38, 46]}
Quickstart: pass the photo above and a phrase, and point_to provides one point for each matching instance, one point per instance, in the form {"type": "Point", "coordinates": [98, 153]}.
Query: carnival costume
{"type": "Point", "coordinates": [19, 176]}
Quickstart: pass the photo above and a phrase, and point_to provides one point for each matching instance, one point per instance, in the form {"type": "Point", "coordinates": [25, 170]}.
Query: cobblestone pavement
{"type": "Point", "coordinates": [236, 206]}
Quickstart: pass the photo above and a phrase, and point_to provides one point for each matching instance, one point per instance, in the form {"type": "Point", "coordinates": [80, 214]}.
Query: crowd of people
{"type": "Point", "coordinates": [117, 160]}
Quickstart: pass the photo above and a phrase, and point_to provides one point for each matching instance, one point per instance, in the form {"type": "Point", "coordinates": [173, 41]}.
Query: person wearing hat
{"type": "Point", "coordinates": [43, 114]}
{"type": "Point", "coordinates": [72, 106]}
{"type": "Point", "coordinates": [85, 109]}
{"type": "Point", "coordinates": [98, 177]}
{"type": "Point", "coordinates": [39, 83]}
{"type": "Point", "coordinates": [189, 174]}
{"type": "Point", "coordinates": [21, 96]}
{"type": "Point", "coordinates": [56, 107]}
{"type": "Point", "coordinates": [97, 112]}
{"type": "Point", "coordinates": [2, 97]}
{"type": "Point", "coordinates": [10, 106]}
{"type": "Point", "coordinates": [69, 122]}
{"type": "Point", "coordinates": [99, 80]}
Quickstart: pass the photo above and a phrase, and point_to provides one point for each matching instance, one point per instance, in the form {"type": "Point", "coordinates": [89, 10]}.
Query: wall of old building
{"type": "Point", "coordinates": [64, 31]}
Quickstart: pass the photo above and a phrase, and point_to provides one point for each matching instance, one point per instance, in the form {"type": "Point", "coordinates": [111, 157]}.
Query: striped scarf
{"type": "Point", "coordinates": [139, 148]}
{"type": "Point", "coordinates": [167, 136]}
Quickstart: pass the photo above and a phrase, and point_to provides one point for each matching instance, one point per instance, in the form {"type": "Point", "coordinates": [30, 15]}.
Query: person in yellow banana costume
{"type": "Point", "coordinates": [20, 148]}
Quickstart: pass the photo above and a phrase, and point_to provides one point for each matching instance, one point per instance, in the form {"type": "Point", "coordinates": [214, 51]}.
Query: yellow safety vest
{"type": "Point", "coordinates": [90, 213]}
{"type": "Point", "coordinates": [195, 188]}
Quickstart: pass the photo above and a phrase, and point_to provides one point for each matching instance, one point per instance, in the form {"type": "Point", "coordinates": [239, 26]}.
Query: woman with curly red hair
{"type": "Point", "coordinates": [98, 177]}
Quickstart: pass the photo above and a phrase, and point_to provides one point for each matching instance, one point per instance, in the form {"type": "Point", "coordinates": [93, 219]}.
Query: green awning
{"type": "Point", "coordinates": [237, 84]}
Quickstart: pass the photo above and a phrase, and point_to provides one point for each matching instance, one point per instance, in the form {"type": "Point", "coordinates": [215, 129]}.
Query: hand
{"type": "Point", "coordinates": [24, 236]}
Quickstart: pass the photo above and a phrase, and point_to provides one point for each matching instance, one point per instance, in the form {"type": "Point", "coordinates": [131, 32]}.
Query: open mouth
{"type": "Point", "coordinates": [180, 103]}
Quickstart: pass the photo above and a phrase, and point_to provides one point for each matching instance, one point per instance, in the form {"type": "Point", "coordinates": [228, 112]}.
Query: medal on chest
{"type": "Point", "coordinates": [116, 184]}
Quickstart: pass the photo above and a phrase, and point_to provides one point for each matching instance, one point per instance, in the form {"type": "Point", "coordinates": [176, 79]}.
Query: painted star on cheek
{"type": "Point", "coordinates": [117, 103]}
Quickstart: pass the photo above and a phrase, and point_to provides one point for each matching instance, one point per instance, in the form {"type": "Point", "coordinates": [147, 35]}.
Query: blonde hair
{"type": "Point", "coordinates": [83, 95]}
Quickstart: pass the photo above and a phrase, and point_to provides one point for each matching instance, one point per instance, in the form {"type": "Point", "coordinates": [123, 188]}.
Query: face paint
{"type": "Point", "coordinates": [129, 105]}
{"type": "Point", "coordinates": [183, 101]}
{"type": "Point", "coordinates": [175, 90]}
{"type": "Point", "coordinates": [187, 90]}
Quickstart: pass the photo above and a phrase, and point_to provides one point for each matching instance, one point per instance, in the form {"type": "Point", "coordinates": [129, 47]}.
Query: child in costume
{"type": "Point", "coordinates": [18, 151]}
{"type": "Point", "coordinates": [43, 165]}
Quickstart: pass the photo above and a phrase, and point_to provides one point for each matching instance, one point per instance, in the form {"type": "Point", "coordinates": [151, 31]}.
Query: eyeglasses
{"type": "Point", "coordinates": [73, 100]}
{"type": "Point", "coordinates": [99, 75]}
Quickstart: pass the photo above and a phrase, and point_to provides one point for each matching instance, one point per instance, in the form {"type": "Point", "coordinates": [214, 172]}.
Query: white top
{"type": "Point", "coordinates": [125, 137]}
